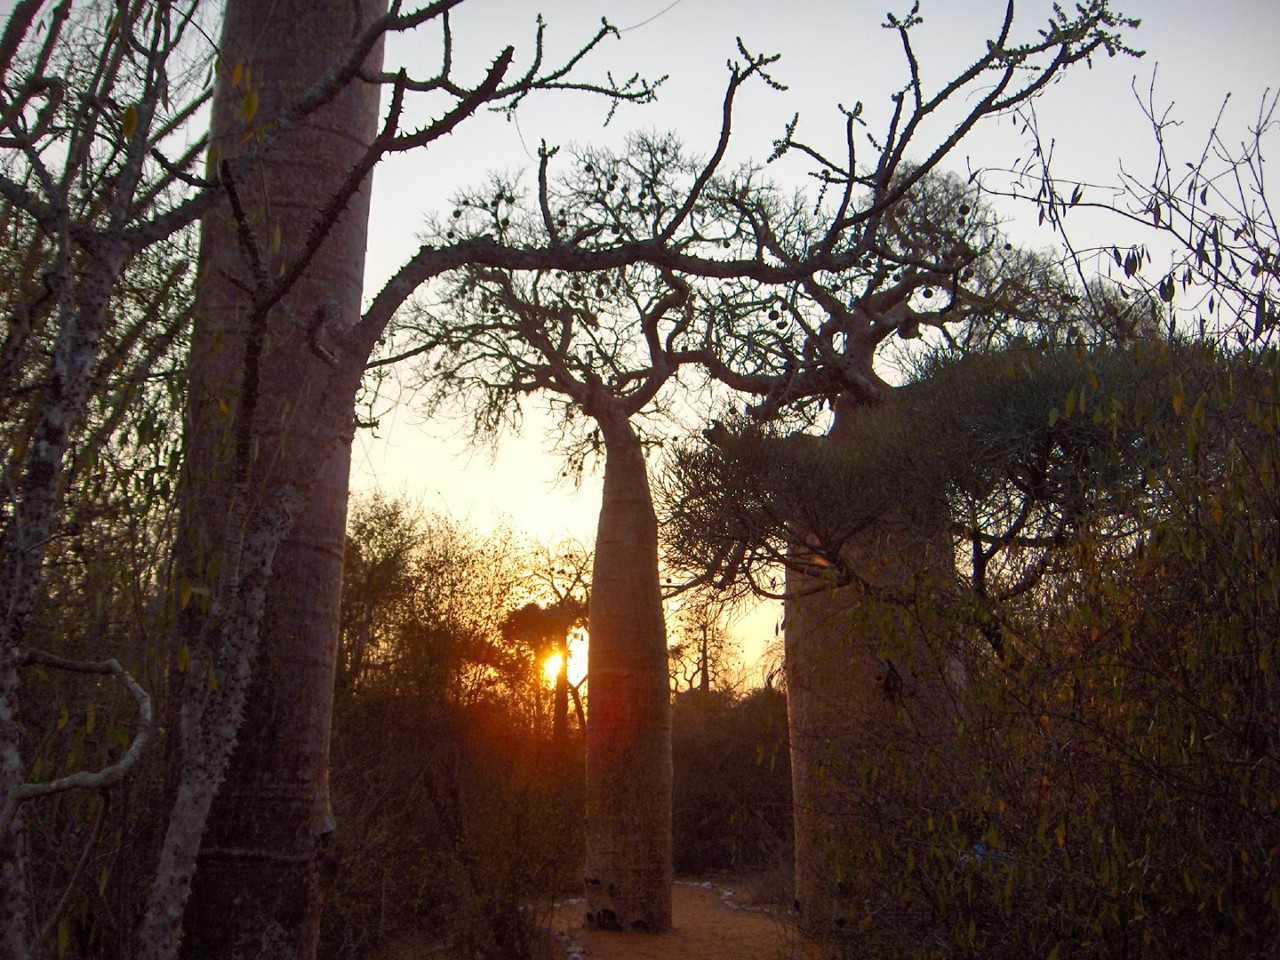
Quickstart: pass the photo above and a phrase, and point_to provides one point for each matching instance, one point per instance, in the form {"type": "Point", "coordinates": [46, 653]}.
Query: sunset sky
{"type": "Point", "coordinates": [832, 52]}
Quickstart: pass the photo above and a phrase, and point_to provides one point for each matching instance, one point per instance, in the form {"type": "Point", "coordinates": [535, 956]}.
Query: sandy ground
{"type": "Point", "coordinates": [709, 923]}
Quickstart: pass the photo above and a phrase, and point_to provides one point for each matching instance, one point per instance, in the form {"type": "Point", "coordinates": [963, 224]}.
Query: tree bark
{"type": "Point", "coordinates": [266, 852]}
{"type": "Point", "coordinates": [629, 867]}
{"type": "Point", "coordinates": [864, 687]}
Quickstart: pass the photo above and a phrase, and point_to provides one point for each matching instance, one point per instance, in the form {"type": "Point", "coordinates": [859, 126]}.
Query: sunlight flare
{"type": "Point", "coordinates": [551, 667]}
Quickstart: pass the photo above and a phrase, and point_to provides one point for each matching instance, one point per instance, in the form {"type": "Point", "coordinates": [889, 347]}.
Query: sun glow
{"type": "Point", "coordinates": [577, 669]}
{"type": "Point", "coordinates": [551, 668]}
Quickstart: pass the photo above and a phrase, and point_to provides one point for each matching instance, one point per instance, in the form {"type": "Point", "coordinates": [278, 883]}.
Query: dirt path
{"type": "Point", "coordinates": [707, 925]}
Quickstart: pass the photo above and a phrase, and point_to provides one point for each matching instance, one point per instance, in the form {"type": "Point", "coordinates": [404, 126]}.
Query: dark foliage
{"type": "Point", "coordinates": [732, 801]}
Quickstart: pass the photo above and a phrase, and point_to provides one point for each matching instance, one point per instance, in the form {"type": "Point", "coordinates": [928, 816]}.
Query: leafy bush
{"type": "Point", "coordinates": [457, 825]}
{"type": "Point", "coordinates": [1111, 787]}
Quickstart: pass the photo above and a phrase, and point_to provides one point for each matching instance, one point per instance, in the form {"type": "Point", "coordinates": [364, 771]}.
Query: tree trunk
{"type": "Point", "coordinates": [265, 855]}
{"type": "Point", "coordinates": [560, 701]}
{"type": "Point", "coordinates": [629, 872]}
{"type": "Point", "coordinates": [864, 691]}
{"type": "Point", "coordinates": [704, 665]}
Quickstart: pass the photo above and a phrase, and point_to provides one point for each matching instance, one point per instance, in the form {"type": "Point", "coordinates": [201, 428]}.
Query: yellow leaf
{"type": "Point", "coordinates": [129, 121]}
{"type": "Point", "coordinates": [212, 678]}
{"type": "Point", "coordinates": [237, 74]}
{"type": "Point", "coordinates": [1178, 401]}
{"type": "Point", "coordinates": [63, 716]}
{"type": "Point", "coordinates": [184, 658]}
{"type": "Point", "coordinates": [249, 105]}
{"type": "Point", "coordinates": [1060, 834]}
{"type": "Point", "coordinates": [90, 717]}
{"type": "Point", "coordinates": [184, 597]}
{"type": "Point", "coordinates": [212, 159]}
{"type": "Point", "coordinates": [275, 239]}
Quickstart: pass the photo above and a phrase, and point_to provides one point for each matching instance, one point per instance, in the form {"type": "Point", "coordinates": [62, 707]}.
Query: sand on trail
{"type": "Point", "coordinates": [707, 924]}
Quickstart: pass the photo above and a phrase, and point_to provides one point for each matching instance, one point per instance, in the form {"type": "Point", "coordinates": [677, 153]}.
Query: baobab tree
{"type": "Point", "coordinates": [1035, 460]}
{"type": "Point", "coordinates": [864, 574]}
{"type": "Point", "coordinates": [284, 278]}
{"type": "Point", "coordinates": [304, 212]}
{"type": "Point", "coordinates": [608, 349]}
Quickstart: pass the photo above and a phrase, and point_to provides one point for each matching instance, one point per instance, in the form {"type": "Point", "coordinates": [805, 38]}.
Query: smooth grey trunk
{"type": "Point", "coordinates": [863, 689]}
{"type": "Point", "coordinates": [628, 792]}
{"type": "Point", "coordinates": [267, 846]}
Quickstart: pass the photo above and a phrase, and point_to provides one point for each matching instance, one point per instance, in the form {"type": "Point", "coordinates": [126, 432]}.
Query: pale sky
{"type": "Point", "coordinates": [832, 52]}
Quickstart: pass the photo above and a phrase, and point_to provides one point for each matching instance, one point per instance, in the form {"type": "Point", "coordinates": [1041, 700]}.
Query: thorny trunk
{"type": "Point", "coordinates": [863, 686]}
{"type": "Point", "coordinates": [35, 514]}
{"type": "Point", "coordinates": [629, 872]}
{"type": "Point", "coordinates": [211, 713]}
{"type": "Point", "coordinates": [264, 857]}
{"type": "Point", "coordinates": [81, 279]}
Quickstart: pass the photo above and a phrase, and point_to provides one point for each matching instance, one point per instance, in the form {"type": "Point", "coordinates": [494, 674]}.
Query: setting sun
{"type": "Point", "coordinates": [551, 668]}
{"type": "Point", "coordinates": [577, 655]}
{"type": "Point", "coordinates": [577, 670]}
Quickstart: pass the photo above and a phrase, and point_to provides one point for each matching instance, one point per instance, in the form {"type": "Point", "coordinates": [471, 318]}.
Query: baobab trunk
{"type": "Point", "coordinates": [628, 834]}
{"type": "Point", "coordinates": [865, 694]}
{"type": "Point", "coordinates": [263, 860]}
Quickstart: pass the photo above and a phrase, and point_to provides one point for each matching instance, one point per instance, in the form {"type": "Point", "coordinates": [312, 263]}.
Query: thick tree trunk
{"type": "Point", "coordinates": [864, 690]}
{"type": "Point", "coordinates": [629, 872]}
{"type": "Point", "coordinates": [263, 860]}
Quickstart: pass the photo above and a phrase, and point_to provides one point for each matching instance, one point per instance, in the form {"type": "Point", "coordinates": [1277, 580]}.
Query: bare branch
{"type": "Point", "coordinates": [83, 779]}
